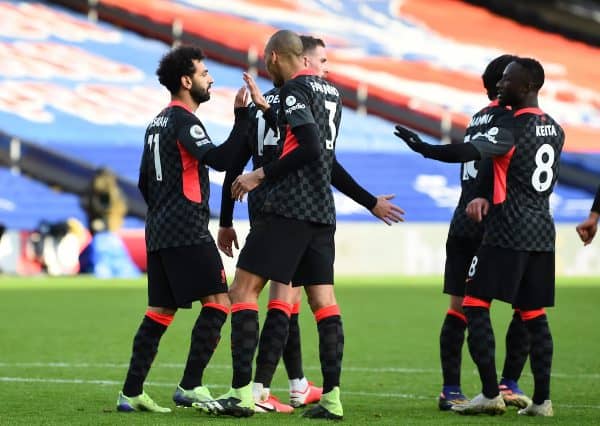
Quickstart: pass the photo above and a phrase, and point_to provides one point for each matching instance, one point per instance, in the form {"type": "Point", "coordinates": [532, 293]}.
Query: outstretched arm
{"type": "Point", "coordinates": [221, 157]}
{"type": "Point", "coordinates": [491, 144]}
{"type": "Point", "coordinates": [193, 137]}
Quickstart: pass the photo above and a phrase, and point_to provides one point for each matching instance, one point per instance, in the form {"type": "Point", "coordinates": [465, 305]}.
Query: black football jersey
{"type": "Point", "coordinates": [263, 147]}
{"type": "Point", "coordinates": [305, 194]}
{"type": "Point", "coordinates": [461, 225]}
{"type": "Point", "coordinates": [173, 179]}
{"type": "Point", "coordinates": [524, 178]}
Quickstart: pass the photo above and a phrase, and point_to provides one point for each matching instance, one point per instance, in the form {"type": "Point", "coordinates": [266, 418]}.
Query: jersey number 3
{"type": "Point", "coordinates": [331, 108]}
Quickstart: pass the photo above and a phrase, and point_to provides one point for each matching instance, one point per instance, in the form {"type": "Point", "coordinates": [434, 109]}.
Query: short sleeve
{"type": "Point", "coordinates": [295, 104]}
{"type": "Point", "coordinates": [193, 137]}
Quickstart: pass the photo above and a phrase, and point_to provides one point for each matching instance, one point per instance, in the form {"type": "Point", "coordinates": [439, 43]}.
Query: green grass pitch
{"type": "Point", "coordinates": [65, 345]}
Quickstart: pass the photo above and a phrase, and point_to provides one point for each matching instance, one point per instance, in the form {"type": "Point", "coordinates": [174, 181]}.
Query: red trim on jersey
{"type": "Point", "coordinates": [216, 306]}
{"type": "Point", "coordinates": [236, 307]}
{"type": "Point", "coordinates": [190, 176]}
{"type": "Point", "coordinates": [284, 307]}
{"type": "Point", "coordinates": [296, 308]}
{"type": "Point", "coordinates": [474, 302]}
{"type": "Point", "coordinates": [494, 103]}
{"type": "Point", "coordinates": [529, 315]}
{"type": "Point", "coordinates": [305, 71]}
{"type": "Point", "coordinates": [180, 104]}
{"type": "Point", "coordinates": [326, 312]}
{"type": "Point", "coordinates": [290, 143]}
{"type": "Point", "coordinates": [163, 319]}
{"type": "Point", "coordinates": [530, 110]}
{"type": "Point", "coordinates": [457, 315]}
{"type": "Point", "coordinates": [500, 169]}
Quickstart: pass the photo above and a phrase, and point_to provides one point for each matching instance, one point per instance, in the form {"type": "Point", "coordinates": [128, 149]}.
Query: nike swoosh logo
{"type": "Point", "coordinates": [265, 407]}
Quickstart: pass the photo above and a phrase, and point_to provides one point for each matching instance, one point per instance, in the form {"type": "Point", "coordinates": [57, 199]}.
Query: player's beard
{"type": "Point", "coordinates": [199, 94]}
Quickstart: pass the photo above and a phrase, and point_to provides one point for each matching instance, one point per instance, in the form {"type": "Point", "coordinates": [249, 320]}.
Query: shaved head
{"type": "Point", "coordinates": [285, 43]}
{"type": "Point", "coordinates": [283, 56]}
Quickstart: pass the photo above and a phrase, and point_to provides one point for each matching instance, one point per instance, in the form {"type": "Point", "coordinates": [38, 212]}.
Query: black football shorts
{"type": "Point", "coordinates": [524, 279]}
{"type": "Point", "coordinates": [178, 276]}
{"type": "Point", "coordinates": [284, 250]}
{"type": "Point", "coordinates": [459, 253]}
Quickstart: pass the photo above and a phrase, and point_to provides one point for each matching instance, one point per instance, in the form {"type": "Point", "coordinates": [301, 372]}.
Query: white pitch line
{"type": "Point", "coordinates": [399, 370]}
{"type": "Point", "coordinates": [170, 385]}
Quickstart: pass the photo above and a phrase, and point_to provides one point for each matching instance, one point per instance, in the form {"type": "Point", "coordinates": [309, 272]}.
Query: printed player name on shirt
{"type": "Point", "coordinates": [160, 121]}
{"type": "Point", "coordinates": [272, 99]}
{"type": "Point", "coordinates": [546, 130]}
{"type": "Point", "coordinates": [324, 88]}
{"type": "Point", "coordinates": [478, 120]}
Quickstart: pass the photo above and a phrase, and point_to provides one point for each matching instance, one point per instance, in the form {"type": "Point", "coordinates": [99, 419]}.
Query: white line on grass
{"type": "Point", "coordinates": [400, 370]}
{"type": "Point", "coordinates": [170, 385]}
{"type": "Point", "coordinates": [163, 384]}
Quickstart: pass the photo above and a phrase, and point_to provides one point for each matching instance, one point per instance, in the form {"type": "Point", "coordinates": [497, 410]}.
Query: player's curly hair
{"type": "Point", "coordinates": [493, 73]}
{"type": "Point", "coordinates": [176, 64]}
{"type": "Point", "coordinates": [535, 72]}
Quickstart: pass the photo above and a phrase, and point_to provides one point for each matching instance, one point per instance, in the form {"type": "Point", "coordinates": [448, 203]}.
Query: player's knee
{"type": "Point", "coordinates": [161, 310]}
{"type": "Point", "coordinates": [241, 294]}
{"type": "Point", "coordinates": [220, 299]}
{"type": "Point", "coordinates": [456, 304]}
{"type": "Point", "coordinates": [245, 290]}
{"type": "Point", "coordinates": [296, 295]}
{"type": "Point", "coordinates": [320, 296]}
{"type": "Point", "coordinates": [280, 291]}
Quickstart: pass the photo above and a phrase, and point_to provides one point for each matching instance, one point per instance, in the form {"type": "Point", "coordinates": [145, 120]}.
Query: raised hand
{"type": "Point", "coordinates": [241, 98]}
{"type": "Point", "coordinates": [257, 97]}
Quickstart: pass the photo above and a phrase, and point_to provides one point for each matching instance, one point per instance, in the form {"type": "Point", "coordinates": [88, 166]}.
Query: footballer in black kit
{"type": "Point", "coordinates": [183, 261]}
{"type": "Point", "coordinates": [293, 240]}
{"type": "Point", "coordinates": [515, 263]}
{"type": "Point", "coordinates": [260, 146]}
{"type": "Point", "coordinates": [302, 198]}
{"type": "Point", "coordinates": [464, 235]}
{"type": "Point", "coordinates": [175, 184]}
{"type": "Point", "coordinates": [464, 238]}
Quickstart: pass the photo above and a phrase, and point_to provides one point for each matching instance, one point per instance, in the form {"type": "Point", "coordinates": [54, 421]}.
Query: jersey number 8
{"type": "Point", "coordinates": [541, 180]}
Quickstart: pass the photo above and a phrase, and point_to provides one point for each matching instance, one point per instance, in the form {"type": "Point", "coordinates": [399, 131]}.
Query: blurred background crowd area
{"type": "Point", "coordinates": [77, 89]}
